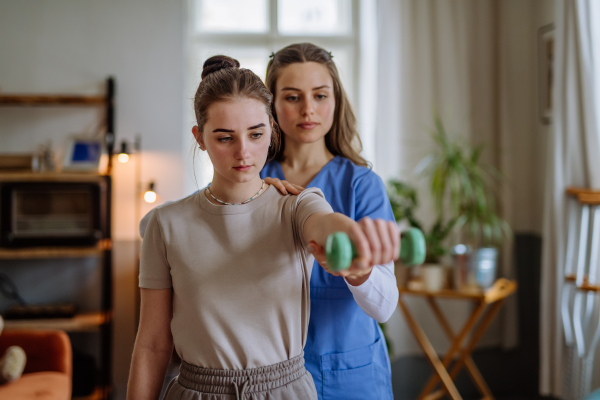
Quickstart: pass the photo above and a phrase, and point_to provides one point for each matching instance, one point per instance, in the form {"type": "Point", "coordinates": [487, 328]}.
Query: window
{"type": "Point", "coordinates": [249, 30]}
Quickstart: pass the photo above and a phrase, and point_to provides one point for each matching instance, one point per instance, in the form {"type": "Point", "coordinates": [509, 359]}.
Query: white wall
{"type": "Point", "coordinates": [524, 144]}
{"type": "Point", "coordinates": [71, 46]}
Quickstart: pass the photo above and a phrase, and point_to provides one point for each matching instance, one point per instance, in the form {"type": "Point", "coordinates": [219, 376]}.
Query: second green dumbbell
{"type": "Point", "coordinates": [340, 251]}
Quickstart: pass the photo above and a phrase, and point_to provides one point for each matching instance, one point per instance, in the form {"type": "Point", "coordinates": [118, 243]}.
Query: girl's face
{"type": "Point", "coordinates": [304, 101]}
{"type": "Point", "coordinates": [236, 136]}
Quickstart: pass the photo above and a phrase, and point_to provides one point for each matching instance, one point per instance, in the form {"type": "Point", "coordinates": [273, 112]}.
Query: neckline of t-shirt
{"type": "Point", "coordinates": [325, 167]}
{"type": "Point", "coordinates": [237, 209]}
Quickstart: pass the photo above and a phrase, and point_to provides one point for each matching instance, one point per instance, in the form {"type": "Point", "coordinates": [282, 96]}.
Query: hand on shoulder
{"type": "Point", "coordinates": [284, 187]}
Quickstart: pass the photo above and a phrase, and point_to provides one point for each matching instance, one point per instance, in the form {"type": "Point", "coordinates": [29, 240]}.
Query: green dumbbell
{"type": "Point", "coordinates": [340, 251]}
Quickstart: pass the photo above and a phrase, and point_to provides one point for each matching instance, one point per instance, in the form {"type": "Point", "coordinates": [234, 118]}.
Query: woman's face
{"type": "Point", "coordinates": [304, 101]}
{"type": "Point", "coordinates": [236, 136]}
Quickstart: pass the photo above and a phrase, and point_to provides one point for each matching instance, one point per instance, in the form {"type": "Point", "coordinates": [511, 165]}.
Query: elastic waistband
{"type": "Point", "coordinates": [226, 381]}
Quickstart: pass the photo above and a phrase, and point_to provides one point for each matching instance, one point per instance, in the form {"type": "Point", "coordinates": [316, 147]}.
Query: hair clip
{"type": "Point", "coordinates": [272, 55]}
{"type": "Point", "coordinates": [330, 55]}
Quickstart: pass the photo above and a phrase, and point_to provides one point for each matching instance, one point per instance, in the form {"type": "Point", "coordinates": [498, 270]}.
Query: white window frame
{"type": "Point", "coordinates": [272, 40]}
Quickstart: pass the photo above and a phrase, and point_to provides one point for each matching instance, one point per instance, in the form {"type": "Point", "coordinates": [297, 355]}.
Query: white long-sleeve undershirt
{"type": "Point", "coordinates": [378, 295]}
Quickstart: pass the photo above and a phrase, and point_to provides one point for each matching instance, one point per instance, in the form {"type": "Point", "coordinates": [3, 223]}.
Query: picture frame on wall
{"type": "Point", "coordinates": [546, 46]}
{"type": "Point", "coordinates": [83, 154]}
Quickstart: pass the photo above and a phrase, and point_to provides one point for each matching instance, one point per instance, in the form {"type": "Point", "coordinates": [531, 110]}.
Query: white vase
{"type": "Point", "coordinates": [433, 277]}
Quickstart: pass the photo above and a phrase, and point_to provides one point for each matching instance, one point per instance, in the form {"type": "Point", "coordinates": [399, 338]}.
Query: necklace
{"type": "Point", "coordinates": [237, 204]}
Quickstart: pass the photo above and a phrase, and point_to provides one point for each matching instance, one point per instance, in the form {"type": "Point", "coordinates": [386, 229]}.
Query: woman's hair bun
{"type": "Point", "coordinates": [217, 63]}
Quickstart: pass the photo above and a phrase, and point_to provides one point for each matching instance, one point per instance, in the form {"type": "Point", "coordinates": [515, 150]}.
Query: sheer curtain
{"type": "Point", "coordinates": [437, 57]}
{"type": "Point", "coordinates": [573, 159]}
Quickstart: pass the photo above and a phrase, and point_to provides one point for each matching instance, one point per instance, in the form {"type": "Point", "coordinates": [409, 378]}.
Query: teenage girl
{"type": "Point", "coordinates": [225, 272]}
{"type": "Point", "coordinates": [345, 350]}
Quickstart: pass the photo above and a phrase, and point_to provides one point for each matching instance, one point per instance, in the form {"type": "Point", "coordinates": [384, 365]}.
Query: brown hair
{"type": "Point", "coordinates": [222, 80]}
{"type": "Point", "coordinates": [342, 139]}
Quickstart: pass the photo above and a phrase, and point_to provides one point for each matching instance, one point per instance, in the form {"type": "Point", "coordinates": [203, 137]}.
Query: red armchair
{"type": "Point", "coordinates": [49, 369]}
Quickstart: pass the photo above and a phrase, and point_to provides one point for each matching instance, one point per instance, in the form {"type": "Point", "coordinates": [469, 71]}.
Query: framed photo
{"type": "Point", "coordinates": [83, 154]}
{"type": "Point", "coordinates": [546, 71]}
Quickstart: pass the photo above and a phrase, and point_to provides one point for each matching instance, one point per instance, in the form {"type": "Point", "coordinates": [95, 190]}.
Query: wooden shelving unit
{"type": "Point", "coordinates": [55, 252]}
{"type": "Point", "coordinates": [49, 177]}
{"type": "Point", "coordinates": [100, 321]}
{"type": "Point", "coordinates": [85, 322]}
{"type": "Point", "coordinates": [50, 100]}
{"type": "Point", "coordinates": [62, 100]}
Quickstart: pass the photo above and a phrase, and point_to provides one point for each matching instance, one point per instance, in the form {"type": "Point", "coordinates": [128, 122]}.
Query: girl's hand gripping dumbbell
{"type": "Point", "coordinates": [340, 251]}
{"type": "Point", "coordinates": [376, 242]}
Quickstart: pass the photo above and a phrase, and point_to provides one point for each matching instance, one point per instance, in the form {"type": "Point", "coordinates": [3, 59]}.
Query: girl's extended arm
{"type": "Point", "coordinates": [153, 345]}
{"type": "Point", "coordinates": [377, 241]}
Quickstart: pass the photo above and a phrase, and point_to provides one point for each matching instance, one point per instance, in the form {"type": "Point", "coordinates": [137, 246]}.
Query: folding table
{"type": "Point", "coordinates": [487, 305]}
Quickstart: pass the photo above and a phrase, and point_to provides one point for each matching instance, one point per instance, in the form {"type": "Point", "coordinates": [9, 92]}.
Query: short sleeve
{"type": "Point", "coordinates": [371, 198]}
{"type": "Point", "coordinates": [308, 202]}
{"type": "Point", "coordinates": [155, 272]}
{"type": "Point", "coordinates": [144, 223]}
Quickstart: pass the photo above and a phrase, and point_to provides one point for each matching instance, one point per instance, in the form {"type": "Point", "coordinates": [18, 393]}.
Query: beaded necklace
{"type": "Point", "coordinates": [237, 204]}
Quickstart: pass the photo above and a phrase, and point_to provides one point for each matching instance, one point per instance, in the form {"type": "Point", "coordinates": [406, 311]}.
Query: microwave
{"type": "Point", "coordinates": [54, 211]}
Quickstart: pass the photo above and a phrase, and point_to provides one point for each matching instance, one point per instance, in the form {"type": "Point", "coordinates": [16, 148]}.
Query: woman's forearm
{"type": "Point", "coordinates": [378, 295]}
{"type": "Point", "coordinates": [147, 373]}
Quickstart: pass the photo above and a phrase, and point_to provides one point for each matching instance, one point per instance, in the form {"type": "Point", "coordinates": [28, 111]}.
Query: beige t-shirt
{"type": "Point", "coordinates": [240, 276]}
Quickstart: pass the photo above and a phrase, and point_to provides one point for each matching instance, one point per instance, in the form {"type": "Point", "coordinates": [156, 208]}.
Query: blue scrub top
{"type": "Point", "coordinates": [345, 350]}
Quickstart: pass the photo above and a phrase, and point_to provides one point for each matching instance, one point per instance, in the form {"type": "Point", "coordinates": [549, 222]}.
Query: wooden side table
{"type": "Point", "coordinates": [494, 297]}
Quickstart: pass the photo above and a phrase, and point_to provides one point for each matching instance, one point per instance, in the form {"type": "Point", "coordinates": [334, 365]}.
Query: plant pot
{"type": "Point", "coordinates": [433, 277]}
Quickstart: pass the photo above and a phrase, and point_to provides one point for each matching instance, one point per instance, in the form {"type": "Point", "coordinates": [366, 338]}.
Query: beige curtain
{"type": "Point", "coordinates": [438, 56]}
{"type": "Point", "coordinates": [573, 159]}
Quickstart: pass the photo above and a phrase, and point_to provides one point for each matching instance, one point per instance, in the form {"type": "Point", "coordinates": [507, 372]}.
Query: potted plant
{"type": "Point", "coordinates": [404, 201]}
{"type": "Point", "coordinates": [462, 188]}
